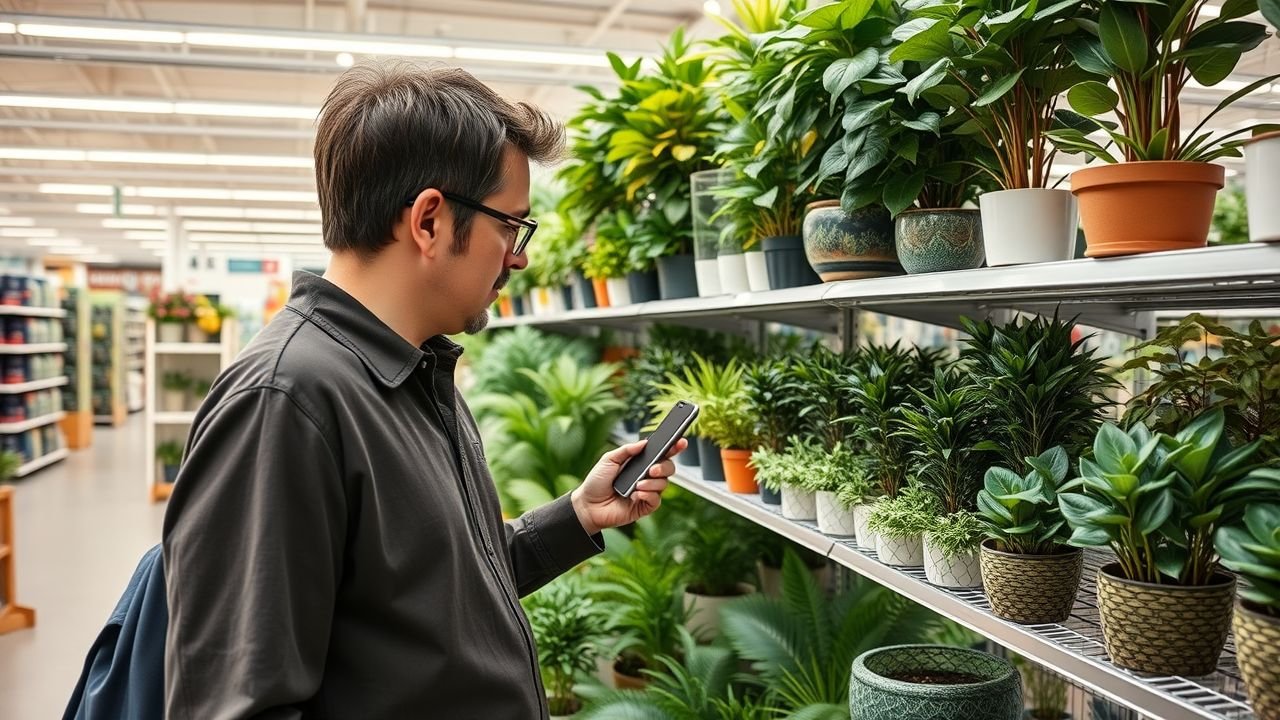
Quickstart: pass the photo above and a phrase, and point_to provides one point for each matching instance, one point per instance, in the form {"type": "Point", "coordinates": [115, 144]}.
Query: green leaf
{"type": "Point", "coordinates": [1093, 98]}
{"type": "Point", "coordinates": [1270, 10]}
{"type": "Point", "coordinates": [901, 191]}
{"type": "Point", "coordinates": [843, 73]}
{"type": "Point", "coordinates": [861, 114]}
{"type": "Point", "coordinates": [1090, 55]}
{"type": "Point", "coordinates": [1089, 536]}
{"type": "Point", "coordinates": [926, 46]}
{"type": "Point", "coordinates": [1122, 38]}
{"type": "Point", "coordinates": [927, 122]}
{"type": "Point", "coordinates": [824, 17]}
{"type": "Point", "coordinates": [1232, 36]}
{"type": "Point", "coordinates": [1077, 508]}
{"type": "Point", "coordinates": [1154, 512]}
{"type": "Point", "coordinates": [1209, 69]}
{"type": "Point", "coordinates": [999, 89]}
{"type": "Point", "coordinates": [1232, 9]}
{"type": "Point", "coordinates": [1156, 148]}
{"type": "Point", "coordinates": [1111, 446]}
{"type": "Point", "coordinates": [767, 198]}
{"type": "Point", "coordinates": [927, 79]}
{"type": "Point", "coordinates": [875, 149]}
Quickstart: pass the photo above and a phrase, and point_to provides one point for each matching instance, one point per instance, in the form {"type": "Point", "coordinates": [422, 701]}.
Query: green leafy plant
{"type": "Point", "coordinates": [956, 533]}
{"type": "Point", "coordinates": [176, 381]}
{"type": "Point", "coordinates": [594, 183]}
{"type": "Point", "coordinates": [169, 453]}
{"type": "Point", "coordinates": [725, 413]}
{"type": "Point", "coordinates": [569, 628]}
{"type": "Point", "coordinates": [1252, 549]}
{"type": "Point", "coordinates": [909, 514]}
{"type": "Point", "coordinates": [823, 411]}
{"type": "Point", "coordinates": [716, 561]}
{"type": "Point", "coordinates": [670, 348]}
{"type": "Point", "coordinates": [1157, 501]}
{"type": "Point", "coordinates": [1149, 52]}
{"type": "Point", "coordinates": [806, 465]}
{"type": "Point", "coordinates": [1243, 381]}
{"type": "Point", "coordinates": [9, 463]}
{"type": "Point", "coordinates": [1041, 388]}
{"type": "Point", "coordinates": [200, 388]}
{"type": "Point", "coordinates": [774, 399]}
{"type": "Point", "coordinates": [1230, 217]}
{"type": "Point", "coordinates": [610, 255]}
{"type": "Point", "coordinates": [1021, 511]}
{"type": "Point", "coordinates": [946, 429]}
{"type": "Point", "coordinates": [496, 367]}
{"type": "Point", "coordinates": [803, 644]}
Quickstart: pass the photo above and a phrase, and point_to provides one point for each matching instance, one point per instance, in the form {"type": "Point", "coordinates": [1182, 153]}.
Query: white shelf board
{"type": "Point", "coordinates": [43, 461]}
{"type": "Point", "coordinates": [36, 312]}
{"type": "Point", "coordinates": [173, 418]}
{"type": "Point", "coordinates": [26, 387]}
{"type": "Point", "coordinates": [188, 348]}
{"type": "Point", "coordinates": [31, 424]}
{"type": "Point", "coordinates": [33, 349]}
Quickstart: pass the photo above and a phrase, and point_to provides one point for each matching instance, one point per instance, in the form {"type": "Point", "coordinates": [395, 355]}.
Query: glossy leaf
{"type": "Point", "coordinates": [1122, 37]}
{"type": "Point", "coordinates": [1093, 98]}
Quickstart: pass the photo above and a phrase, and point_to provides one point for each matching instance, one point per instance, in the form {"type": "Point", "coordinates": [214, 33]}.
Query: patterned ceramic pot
{"type": "Point", "coordinates": [958, 571]}
{"type": "Point", "coordinates": [876, 693]}
{"type": "Point", "coordinates": [864, 535]}
{"type": "Point", "coordinates": [1258, 653]}
{"type": "Point", "coordinates": [1031, 589]}
{"type": "Point", "coordinates": [1164, 629]}
{"type": "Point", "coordinates": [849, 246]}
{"type": "Point", "coordinates": [798, 504]}
{"type": "Point", "coordinates": [939, 240]}
{"type": "Point", "coordinates": [833, 518]}
{"type": "Point", "coordinates": [900, 552]}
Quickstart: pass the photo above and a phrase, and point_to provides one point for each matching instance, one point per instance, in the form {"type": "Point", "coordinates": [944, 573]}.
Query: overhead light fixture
{"type": "Point", "coordinates": [53, 242]}
{"type": "Point", "coordinates": [246, 213]}
{"type": "Point", "coordinates": [188, 193]}
{"type": "Point", "coordinates": [14, 153]}
{"type": "Point", "coordinates": [252, 227]}
{"type": "Point", "coordinates": [17, 222]}
{"type": "Point", "coordinates": [344, 59]}
{"type": "Point", "coordinates": [72, 251]}
{"type": "Point", "coordinates": [135, 224]}
{"type": "Point", "coordinates": [27, 232]}
{"type": "Point", "coordinates": [251, 239]}
{"type": "Point", "coordinates": [102, 209]}
{"type": "Point", "coordinates": [219, 109]}
{"type": "Point", "coordinates": [711, 7]}
{"type": "Point", "coordinates": [113, 33]}
{"type": "Point", "coordinates": [8, 28]}
{"type": "Point", "coordinates": [146, 235]}
{"type": "Point", "coordinates": [159, 107]}
{"type": "Point", "coordinates": [536, 57]}
{"type": "Point", "coordinates": [305, 43]}
{"type": "Point", "coordinates": [153, 158]}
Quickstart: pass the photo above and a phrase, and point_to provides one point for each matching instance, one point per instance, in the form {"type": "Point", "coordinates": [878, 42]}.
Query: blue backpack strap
{"type": "Point", "coordinates": [123, 676]}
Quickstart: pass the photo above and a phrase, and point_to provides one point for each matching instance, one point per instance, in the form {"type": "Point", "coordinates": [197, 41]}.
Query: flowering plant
{"type": "Point", "coordinates": [178, 307]}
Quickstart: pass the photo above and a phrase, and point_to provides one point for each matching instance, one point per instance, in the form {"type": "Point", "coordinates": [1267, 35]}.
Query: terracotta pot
{"type": "Point", "coordinates": [623, 681]}
{"type": "Point", "coordinates": [939, 240]}
{"type": "Point", "coordinates": [740, 478]}
{"type": "Point", "coordinates": [1140, 207]}
{"type": "Point", "coordinates": [1164, 629]}
{"type": "Point", "coordinates": [505, 308]}
{"type": "Point", "coordinates": [1258, 653]}
{"type": "Point", "coordinates": [849, 246]}
{"type": "Point", "coordinates": [1262, 186]}
{"type": "Point", "coordinates": [601, 288]}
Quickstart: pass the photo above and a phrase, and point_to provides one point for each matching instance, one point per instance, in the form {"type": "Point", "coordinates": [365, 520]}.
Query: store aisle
{"type": "Point", "coordinates": [81, 527]}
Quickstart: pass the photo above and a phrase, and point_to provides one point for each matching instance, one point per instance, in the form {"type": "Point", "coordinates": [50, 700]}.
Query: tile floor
{"type": "Point", "coordinates": [81, 526]}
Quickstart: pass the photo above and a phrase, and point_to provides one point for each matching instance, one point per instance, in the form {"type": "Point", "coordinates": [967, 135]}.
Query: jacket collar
{"type": "Point", "coordinates": [386, 355]}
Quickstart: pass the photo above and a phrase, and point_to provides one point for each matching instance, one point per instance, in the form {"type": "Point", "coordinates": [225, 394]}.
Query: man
{"type": "Point", "coordinates": [334, 547]}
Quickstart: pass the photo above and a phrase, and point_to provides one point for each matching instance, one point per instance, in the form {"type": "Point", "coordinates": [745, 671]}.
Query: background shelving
{"type": "Point", "coordinates": [108, 352]}
{"type": "Point", "coordinates": [135, 340]}
{"type": "Point", "coordinates": [33, 378]}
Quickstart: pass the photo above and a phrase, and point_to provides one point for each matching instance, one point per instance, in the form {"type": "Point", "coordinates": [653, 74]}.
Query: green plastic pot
{"type": "Point", "coordinates": [874, 694]}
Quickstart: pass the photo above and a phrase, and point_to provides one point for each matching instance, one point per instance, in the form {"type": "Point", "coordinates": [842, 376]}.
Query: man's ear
{"type": "Point", "coordinates": [429, 222]}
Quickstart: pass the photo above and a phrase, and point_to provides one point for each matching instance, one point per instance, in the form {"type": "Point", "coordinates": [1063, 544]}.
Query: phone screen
{"type": "Point", "coordinates": [669, 431]}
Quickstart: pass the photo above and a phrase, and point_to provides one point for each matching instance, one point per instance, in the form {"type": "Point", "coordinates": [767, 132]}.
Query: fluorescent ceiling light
{"type": "Point", "coordinates": [154, 245]}
{"type": "Point", "coordinates": [252, 227]}
{"type": "Point", "coordinates": [73, 251]}
{"type": "Point", "coordinates": [146, 235]}
{"type": "Point", "coordinates": [293, 112]}
{"type": "Point", "coordinates": [537, 57]}
{"type": "Point", "coordinates": [12, 153]}
{"type": "Point", "coordinates": [101, 209]}
{"type": "Point", "coordinates": [101, 260]}
{"type": "Point", "coordinates": [135, 224]}
{"type": "Point", "coordinates": [8, 28]}
{"type": "Point", "coordinates": [345, 59]}
{"type": "Point", "coordinates": [27, 232]}
{"type": "Point", "coordinates": [153, 158]}
{"type": "Point", "coordinates": [53, 242]}
{"type": "Point", "coordinates": [95, 32]}
{"type": "Point", "coordinates": [94, 104]}
{"type": "Point", "coordinates": [293, 196]}
{"type": "Point", "coordinates": [224, 238]}
{"type": "Point", "coordinates": [305, 43]}
{"type": "Point", "coordinates": [247, 213]}
{"type": "Point", "coordinates": [17, 222]}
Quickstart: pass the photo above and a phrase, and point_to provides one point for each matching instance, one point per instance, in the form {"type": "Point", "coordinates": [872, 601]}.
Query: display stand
{"type": "Point", "coordinates": [109, 374]}
{"type": "Point", "coordinates": [77, 397]}
{"type": "Point", "coordinates": [12, 615]}
{"type": "Point", "coordinates": [32, 379]}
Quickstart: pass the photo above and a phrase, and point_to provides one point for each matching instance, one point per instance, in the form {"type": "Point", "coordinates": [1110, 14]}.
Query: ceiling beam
{"type": "Point", "coordinates": [601, 27]}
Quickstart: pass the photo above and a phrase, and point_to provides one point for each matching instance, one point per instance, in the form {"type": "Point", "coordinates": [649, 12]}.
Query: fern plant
{"type": "Point", "coordinates": [496, 369]}
{"type": "Point", "coordinates": [568, 627]}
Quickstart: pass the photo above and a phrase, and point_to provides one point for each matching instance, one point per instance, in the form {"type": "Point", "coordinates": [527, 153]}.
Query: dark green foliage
{"type": "Point", "coordinates": [669, 349]}
{"type": "Point", "coordinates": [715, 558]}
{"type": "Point", "coordinates": [776, 400]}
{"type": "Point", "coordinates": [945, 432]}
{"type": "Point", "coordinates": [1021, 512]}
{"type": "Point", "coordinates": [1252, 549]}
{"type": "Point", "coordinates": [568, 627]}
{"type": "Point", "coordinates": [497, 369]}
{"type": "Point", "coordinates": [818, 379]}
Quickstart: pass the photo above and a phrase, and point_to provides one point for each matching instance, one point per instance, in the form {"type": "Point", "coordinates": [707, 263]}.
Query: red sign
{"type": "Point", "coordinates": [141, 281]}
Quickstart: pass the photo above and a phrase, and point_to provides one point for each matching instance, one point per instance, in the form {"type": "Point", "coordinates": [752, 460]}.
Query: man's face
{"type": "Point", "coordinates": [476, 275]}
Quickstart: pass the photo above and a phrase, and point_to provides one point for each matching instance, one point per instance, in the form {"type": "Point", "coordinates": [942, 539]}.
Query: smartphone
{"type": "Point", "coordinates": [669, 432]}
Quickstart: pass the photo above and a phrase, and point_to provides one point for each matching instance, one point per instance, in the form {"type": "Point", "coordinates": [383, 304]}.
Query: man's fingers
{"type": "Point", "coordinates": [679, 447]}
{"type": "Point", "coordinates": [648, 500]}
{"type": "Point", "coordinates": [620, 455]}
{"type": "Point", "coordinates": [664, 469]}
{"type": "Point", "coordinates": [652, 485]}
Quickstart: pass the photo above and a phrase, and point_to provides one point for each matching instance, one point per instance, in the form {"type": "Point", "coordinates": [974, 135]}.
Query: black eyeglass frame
{"type": "Point", "coordinates": [528, 224]}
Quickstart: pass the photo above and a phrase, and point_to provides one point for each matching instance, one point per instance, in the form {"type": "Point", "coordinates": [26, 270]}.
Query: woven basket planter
{"type": "Point", "coordinates": [798, 504]}
{"type": "Point", "coordinates": [875, 695]}
{"type": "Point", "coordinates": [1164, 629]}
{"type": "Point", "coordinates": [1258, 654]}
{"type": "Point", "coordinates": [900, 551]}
{"type": "Point", "coordinates": [1031, 589]}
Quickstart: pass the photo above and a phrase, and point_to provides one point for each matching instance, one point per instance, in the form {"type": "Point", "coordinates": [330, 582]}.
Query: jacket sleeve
{"type": "Point", "coordinates": [253, 543]}
{"type": "Point", "coordinates": [547, 542]}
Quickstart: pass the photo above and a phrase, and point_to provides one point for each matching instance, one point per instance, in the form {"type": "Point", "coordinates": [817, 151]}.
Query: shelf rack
{"type": "Point", "coordinates": [33, 349]}
{"type": "Point", "coordinates": [12, 615]}
{"type": "Point", "coordinates": [31, 424]}
{"type": "Point", "coordinates": [36, 312]}
{"type": "Point", "coordinates": [26, 387]}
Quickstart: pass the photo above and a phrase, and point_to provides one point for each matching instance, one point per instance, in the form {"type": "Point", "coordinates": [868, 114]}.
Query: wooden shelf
{"type": "Point", "coordinates": [12, 615]}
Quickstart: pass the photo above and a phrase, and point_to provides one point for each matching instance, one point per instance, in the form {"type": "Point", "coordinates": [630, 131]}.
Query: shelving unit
{"type": "Point", "coordinates": [12, 615]}
{"type": "Point", "coordinates": [18, 388]}
{"type": "Point", "coordinates": [77, 396]}
{"type": "Point", "coordinates": [203, 360]}
{"type": "Point", "coordinates": [135, 342]}
{"type": "Point", "coordinates": [33, 349]}
{"type": "Point", "coordinates": [24, 311]}
{"type": "Point", "coordinates": [110, 406]}
{"type": "Point", "coordinates": [1125, 295]}
{"type": "Point", "coordinates": [33, 381]}
{"type": "Point", "coordinates": [36, 422]}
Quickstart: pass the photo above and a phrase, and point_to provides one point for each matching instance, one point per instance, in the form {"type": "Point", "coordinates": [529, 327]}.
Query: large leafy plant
{"type": "Point", "coordinates": [775, 400]}
{"type": "Point", "coordinates": [1157, 501]}
{"type": "Point", "coordinates": [1041, 387]}
{"type": "Point", "coordinates": [724, 410]}
{"type": "Point", "coordinates": [496, 366]}
{"type": "Point", "coordinates": [1243, 380]}
{"type": "Point", "coordinates": [592, 181]}
{"type": "Point", "coordinates": [669, 349]}
{"type": "Point", "coordinates": [1252, 549]}
{"type": "Point", "coordinates": [715, 560]}
{"type": "Point", "coordinates": [823, 410]}
{"type": "Point", "coordinates": [946, 427]}
{"type": "Point", "coordinates": [1148, 52]}
{"type": "Point", "coordinates": [1021, 511]}
{"type": "Point", "coordinates": [569, 628]}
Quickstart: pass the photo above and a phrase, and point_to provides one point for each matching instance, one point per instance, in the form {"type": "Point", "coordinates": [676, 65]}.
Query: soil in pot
{"type": "Point", "coordinates": [1140, 207]}
{"type": "Point", "coordinates": [737, 474]}
{"type": "Point", "coordinates": [677, 277]}
{"type": "Point", "coordinates": [1257, 637]}
{"type": "Point", "coordinates": [711, 463]}
{"type": "Point", "coordinates": [933, 682]}
{"type": "Point", "coordinates": [644, 286]}
{"type": "Point", "coordinates": [934, 677]}
{"type": "Point", "coordinates": [850, 246]}
{"type": "Point", "coordinates": [786, 263]}
{"type": "Point", "coordinates": [1031, 589]}
{"type": "Point", "coordinates": [1165, 629]}
{"type": "Point", "coordinates": [939, 240]}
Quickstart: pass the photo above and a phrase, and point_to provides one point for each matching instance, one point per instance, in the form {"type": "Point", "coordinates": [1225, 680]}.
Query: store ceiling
{"type": "Point", "coordinates": [194, 116]}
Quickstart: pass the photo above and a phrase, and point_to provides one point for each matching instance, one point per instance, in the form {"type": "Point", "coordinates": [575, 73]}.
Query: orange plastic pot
{"type": "Point", "coordinates": [506, 308]}
{"type": "Point", "coordinates": [602, 292]}
{"type": "Point", "coordinates": [1141, 207]}
{"type": "Point", "coordinates": [739, 477]}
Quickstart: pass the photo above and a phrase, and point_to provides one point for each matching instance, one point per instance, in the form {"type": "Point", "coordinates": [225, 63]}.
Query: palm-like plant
{"type": "Point", "coordinates": [804, 643]}
{"type": "Point", "coordinates": [496, 370]}
{"type": "Point", "coordinates": [823, 409]}
{"type": "Point", "coordinates": [774, 400]}
{"type": "Point", "coordinates": [946, 430]}
{"type": "Point", "coordinates": [725, 414]}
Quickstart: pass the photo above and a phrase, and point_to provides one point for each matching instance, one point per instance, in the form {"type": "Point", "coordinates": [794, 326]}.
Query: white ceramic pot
{"type": "Point", "coordinates": [957, 571]}
{"type": "Point", "coordinates": [864, 536]}
{"type": "Point", "coordinates": [757, 270]}
{"type": "Point", "coordinates": [900, 552]}
{"type": "Point", "coordinates": [834, 518]}
{"type": "Point", "coordinates": [556, 298]}
{"type": "Point", "coordinates": [1262, 186]}
{"type": "Point", "coordinates": [708, 272]}
{"type": "Point", "coordinates": [619, 292]}
{"type": "Point", "coordinates": [1028, 226]}
{"type": "Point", "coordinates": [169, 332]}
{"type": "Point", "coordinates": [798, 504]}
{"type": "Point", "coordinates": [733, 273]}
{"type": "Point", "coordinates": [174, 400]}
{"type": "Point", "coordinates": [196, 335]}
{"type": "Point", "coordinates": [704, 612]}
{"type": "Point", "coordinates": [541, 302]}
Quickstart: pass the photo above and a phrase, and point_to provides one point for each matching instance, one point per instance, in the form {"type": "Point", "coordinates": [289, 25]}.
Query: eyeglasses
{"type": "Point", "coordinates": [523, 227]}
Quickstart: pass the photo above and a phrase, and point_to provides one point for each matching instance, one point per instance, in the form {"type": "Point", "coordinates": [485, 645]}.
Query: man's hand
{"type": "Point", "coordinates": [599, 507]}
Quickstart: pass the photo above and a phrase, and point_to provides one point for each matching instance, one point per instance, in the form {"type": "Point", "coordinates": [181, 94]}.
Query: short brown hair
{"type": "Point", "coordinates": [389, 130]}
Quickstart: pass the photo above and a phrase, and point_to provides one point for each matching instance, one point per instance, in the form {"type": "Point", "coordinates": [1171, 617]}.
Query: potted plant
{"type": "Point", "coordinates": [1157, 502]}
{"type": "Point", "coordinates": [900, 523]}
{"type": "Point", "coordinates": [1046, 692]}
{"type": "Point", "coordinates": [518, 288]}
{"type": "Point", "coordinates": [725, 419]}
{"type": "Point", "coordinates": [1039, 384]}
{"type": "Point", "coordinates": [200, 389]}
{"type": "Point", "coordinates": [947, 428]}
{"type": "Point", "coordinates": [568, 629]}
{"type": "Point", "coordinates": [1251, 548]}
{"type": "Point", "coordinates": [955, 683]}
{"type": "Point", "coordinates": [175, 385]}
{"type": "Point", "coordinates": [772, 468]}
{"type": "Point", "coordinates": [9, 463]}
{"type": "Point", "coordinates": [171, 312]}
{"type": "Point", "coordinates": [1262, 182]}
{"type": "Point", "coordinates": [608, 260]}
{"type": "Point", "coordinates": [717, 566]}
{"type": "Point", "coordinates": [206, 320]}
{"type": "Point", "coordinates": [169, 454]}
{"type": "Point", "coordinates": [1029, 572]}
{"type": "Point", "coordinates": [845, 484]}
{"type": "Point", "coordinates": [771, 549]}
{"type": "Point", "coordinates": [1149, 53]}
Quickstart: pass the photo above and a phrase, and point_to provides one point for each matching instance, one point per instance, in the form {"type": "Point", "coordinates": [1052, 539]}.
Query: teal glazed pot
{"type": "Point", "coordinates": [849, 246]}
{"type": "Point", "coordinates": [940, 240]}
{"type": "Point", "coordinates": [942, 683]}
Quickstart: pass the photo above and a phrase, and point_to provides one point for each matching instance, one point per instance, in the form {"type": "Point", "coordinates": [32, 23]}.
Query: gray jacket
{"type": "Point", "coordinates": [334, 546]}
